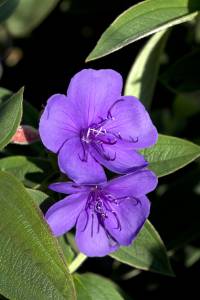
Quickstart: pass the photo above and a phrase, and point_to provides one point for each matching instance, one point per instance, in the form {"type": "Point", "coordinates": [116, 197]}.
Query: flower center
{"type": "Point", "coordinates": [97, 136]}
{"type": "Point", "coordinates": [94, 132]}
{"type": "Point", "coordinates": [100, 204]}
{"type": "Point", "coordinates": [104, 206]}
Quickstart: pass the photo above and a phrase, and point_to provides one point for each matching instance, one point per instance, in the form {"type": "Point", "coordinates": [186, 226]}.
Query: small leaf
{"type": "Point", "coordinates": [192, 255]}
{"type": "Point", "coordinates": [141, 20]}
{"type": "Point", "coordinates": [30, 114]}
{"type": "Point", "coordinates": [6, 8]}
{"type": "Point", "coordinates": [37, 196]}
{"type": "Point", "coordinates": [183, 76]}
{"type": "Point", "coordinates": [186, 106]}
{"type": "Point", "coordinates": [32, 265]}
{"type": "Point", "coordinates": [170, 154]}
{"type": "Point", "coordinates": [67, 250]}
{"type": "Point", "coordinates": [146, 253]}
{"type": "Point", "coordinates": [10, 117]}
{"type": "Point", "coordinates": [30, 170]}
{"type": "Point", "coordinates": [28, 15]}
{"type": "Point", "coordinates": [143, 74]}
{"type": "Point", "coordinates": [94, 287]}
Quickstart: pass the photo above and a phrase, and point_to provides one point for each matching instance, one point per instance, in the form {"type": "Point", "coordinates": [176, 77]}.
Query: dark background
{"type": "Point", "coordinates": [52, 54]}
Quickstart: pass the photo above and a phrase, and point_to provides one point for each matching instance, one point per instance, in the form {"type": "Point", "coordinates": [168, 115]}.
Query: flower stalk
{"type": "Point", "coordinates": [77, 262]}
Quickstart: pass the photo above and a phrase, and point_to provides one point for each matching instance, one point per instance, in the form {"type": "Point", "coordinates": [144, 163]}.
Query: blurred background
{"type": "Point", "coordinates": [48, 51]}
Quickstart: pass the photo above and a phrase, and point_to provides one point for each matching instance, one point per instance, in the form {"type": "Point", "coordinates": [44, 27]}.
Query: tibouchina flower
{"type": "Point", "coordinates": [94, 124]}
{"type": "Point", "coordinates": [106, 215]}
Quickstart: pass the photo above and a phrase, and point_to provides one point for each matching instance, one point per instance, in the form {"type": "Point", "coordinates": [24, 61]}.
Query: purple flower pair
{"type": "Point", "coordinates": [93, 126]}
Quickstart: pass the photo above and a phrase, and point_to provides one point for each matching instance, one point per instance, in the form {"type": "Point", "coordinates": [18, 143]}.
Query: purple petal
{"type": "Point", "coordinates": [131, 215]}
{"type": "Point", "coordinates": [68, 187]}
{"type": "Point", "coordinates": [119, 158]}
{"type": "Point", "coordinates": [57, 123]}
{"type": "Point", "coordinates": [130, 121]}
{"type": "Point", "coordinates": [134, 184]}
{"type": "Point", "coordinates": [70, 162]}
{"type": "Point", "coordinates": [91, 237]}
{"type": "Point", "coordinates": [92, 92]}
{"type": "Point", "coordinates": [62, 216]}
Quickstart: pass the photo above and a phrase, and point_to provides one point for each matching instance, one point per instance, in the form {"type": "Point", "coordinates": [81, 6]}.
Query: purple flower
{"type": "Point", "coordinates": [95, 125]}
{"type": "Point", "coordinates": [106, 214]}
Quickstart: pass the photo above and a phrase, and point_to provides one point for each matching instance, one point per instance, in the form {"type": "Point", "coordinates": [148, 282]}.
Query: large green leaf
{"type": "Point", "coordinates": [94, 287]}
{"type": "Point", "coordinates": [30, 170]}
{"type": "Point", "coordinates": [141, 20]}
{"type": "Point", "coordinates": [6, 8]}
{"type": "Point", "coordinates": [32, 265]}
{"type": "Point", "coordinates": [143, 74]}
{"type": "Point", "coordinates": [170, 154]}
{"type": "Point", "coordinates": [28, 15]}
{"type": "Point", "coordinates": [39, 199]}
{"type": "Point", "coordinates": [146, 253]}
{"type": "Point", "coordinates": [10, 117]}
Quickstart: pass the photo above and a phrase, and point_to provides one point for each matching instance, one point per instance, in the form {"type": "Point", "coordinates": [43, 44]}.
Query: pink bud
{"type": "Point", "coordinates": [25, 135]}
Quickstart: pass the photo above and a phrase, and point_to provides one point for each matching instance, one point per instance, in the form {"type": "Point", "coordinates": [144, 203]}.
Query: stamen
{"type": "Point", "coordinates": [92, 227]}
{"type": "Point", "coordinates": [100, 149]}
{"type": "Point", "coordinates": [87, 220]}
{"type": "Point", "coordinates": [118, 222]}
{"type": "Point", "coordinates": [133, 140]}
{"type": "Point", "coordinates": [109, 113]}
{"type": "Point", "coordinates": [85, 149]}
{"type": "Point", "coordinates": [112, 241]}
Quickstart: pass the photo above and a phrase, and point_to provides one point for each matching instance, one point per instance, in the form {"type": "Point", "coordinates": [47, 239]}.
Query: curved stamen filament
{"type": "Point", "coordinates": [109, 113]}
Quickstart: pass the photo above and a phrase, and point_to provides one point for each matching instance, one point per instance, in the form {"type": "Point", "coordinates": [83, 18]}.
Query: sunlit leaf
{"type": "Point", "coordinates": [141, 20]}
{"type": "Point", "coordinates": [10, 117]}
{"type": "Point", "coordinates": [143, 74]}
{"type": "Point", "coordinates": [170, 154]}
{"type": "Point", "coordinates": [32, 265]}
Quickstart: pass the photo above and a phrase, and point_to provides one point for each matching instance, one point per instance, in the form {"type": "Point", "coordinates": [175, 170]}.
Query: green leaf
{"type": "Point", "coordinates": [183, 76]}
{"type": "Point", "coordinates": [146, 253]}
{"type": "Point", "coordinates": [32, 264]}
{"type": "Point", "coordinates": [186, 106]}
{"type": "Point", "coordinates": [39, 198]}
{"type": "Point", "coordinates": [170, 154]}
{"type": "Point", "coordinates": [28, 15]}
{"type": "Point", "coordinates": [6, 8]}
{"type": "Point", "coordinates": [141, 20]}
{"type": "Point", "coordinates": [30, 114]}
{"type": "Point", "coordinates": [143, 74]}
{"type": "Point", "coordinates": [10, 117]}
{"type": "Point", "coordinates": [94, 287]}
{"type": "Point", "coordinates": [67, 250]}
{"type": "Point", "coordinates": [192, 255]}
{"type": "Point", "coordinates": [30, 170]}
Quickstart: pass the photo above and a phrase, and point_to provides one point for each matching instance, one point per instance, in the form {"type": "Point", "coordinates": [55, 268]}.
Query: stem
{"type": "Point", "coordinates": [77, 262]}
{"type": "Point", "coordinates": [131, 274]}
